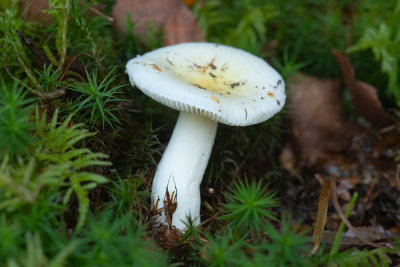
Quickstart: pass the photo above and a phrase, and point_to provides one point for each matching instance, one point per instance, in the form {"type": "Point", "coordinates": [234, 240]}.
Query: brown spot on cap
{"type": "Point", "coordinates": [156, 67]}
{"type": "Point", "coordinates": [198, 86]}
{"type": "Point", "coordinates": [216, 99]}
{"type": "Point", "coordinates": [270, 94]}
{"type": "Point", "coordinates": [170, 62]}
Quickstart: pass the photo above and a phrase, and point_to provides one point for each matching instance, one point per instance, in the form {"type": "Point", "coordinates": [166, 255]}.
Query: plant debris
{"type": "Point", "coordinates": [172, 16]}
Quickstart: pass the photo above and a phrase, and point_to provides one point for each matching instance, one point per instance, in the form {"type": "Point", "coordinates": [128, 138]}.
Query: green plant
{"type": "Point", "coordinates": [9, 234]}
{"type": "Point", "coordinates": [384, 42]}
{"type": "Point", "coordinates": [239, 23]}
{"type": "Point", "coordinates": [35, 256]}
{"type": "Point", "coordinates": [49, 79]}
{"type": "Point", "coordinates": [88, 33]}
{"type": "Point", "coordinates": [15, 120]}
{"type": "Point", "coordinates": [48, 167]}
{"type": "Point", "coordinates": [119, 241]}
{"type": "Point", "coordinates": [221, 251]}
{"type": "Point", "coordinates": [355, 257]}
{"type": "Point", "coordinates": [338, 237]}
{"type": "Point", "coordinates": [14, 56]}
{"type": "Point", "coordinates": [287, 247]}
{"type": "Point", "coordinates": [97, 99]}
{"type": "Point", "coordinates": [313, 28]}
{"type": "Point", "coordinates": [127, 195]}
{"type": "Point", "coordinates": [59, 10]}
{"type": "Point", "coordinates": [57, 146]}
{"type": "Point", "coordinates": [288, 66]}
{"type": "Point", "coordinates": [248, 205]}
{"type": "Point", "coordinates": [22, 185]}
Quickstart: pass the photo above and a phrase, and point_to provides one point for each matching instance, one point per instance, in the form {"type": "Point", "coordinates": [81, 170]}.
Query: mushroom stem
{"type": "Point", "coordinates": [182, 167]}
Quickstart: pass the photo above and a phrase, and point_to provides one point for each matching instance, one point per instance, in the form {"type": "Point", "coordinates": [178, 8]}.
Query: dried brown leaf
{"type": "Point", "coordinates": [171, 16]}
{"type": "Point", "coordinates": [34, 10]}
{"type": "Point", "coordinates": [319, 127]}
{"type": "Point", "coordinates": [320, 221]}
{"type": "Point", "coordinates": [181, 27]}
{"type": "Point", "coordinates": [363, 95]}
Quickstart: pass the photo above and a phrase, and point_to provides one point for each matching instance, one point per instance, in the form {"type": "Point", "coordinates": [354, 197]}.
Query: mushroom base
{"type": "Point", "coordinates": [180, 171]}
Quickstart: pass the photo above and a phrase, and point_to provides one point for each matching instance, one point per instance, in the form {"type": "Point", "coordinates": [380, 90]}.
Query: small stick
{"type": "Point", "coordinates": [339, 211]}
{"type": "Point", "coordinates": [338, 237]}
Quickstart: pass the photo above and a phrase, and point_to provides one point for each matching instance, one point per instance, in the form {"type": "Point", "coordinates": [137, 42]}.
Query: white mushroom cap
{"type": "Point", "coordinates": [222, 83]}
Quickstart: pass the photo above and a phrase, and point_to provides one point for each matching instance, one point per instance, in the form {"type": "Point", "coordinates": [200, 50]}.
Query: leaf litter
{"type": "Point", "coordinates": [358, 158]}
{"type": "Point", "coordinates": [171, 16]}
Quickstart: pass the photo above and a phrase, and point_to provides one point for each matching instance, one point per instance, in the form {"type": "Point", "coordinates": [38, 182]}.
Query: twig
{"type": "Point", "coordinates": [367, 198]}
{"type": "Point", "coordinates": [101, 14]}
{"type": "Point", "coordinates": [369, 193]}
{"type": "Point", "coordinates": [339, 211]}
{"type": "Point", "coordinates": [211, 218]}
{"type": "Point", "coordinates": [338, 237]}
{"type": "Point", "coordinates": [42, 95]}
{"type": "Point", "coordinates": [70, 62]}
{"type": "Point", "coordinates": [150, 179]}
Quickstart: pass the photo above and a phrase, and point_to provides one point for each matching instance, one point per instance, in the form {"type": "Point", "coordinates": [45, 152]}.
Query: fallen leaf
{"type": "Point", "coordinates": [181, 27]}
{"type": "Point", "coordinates": [172, 16]}
{"type": "Point", "coordinates": [34, 10]}
{"type": "Point", "coordinates": [363, 95]}
{"type": "Point", "coordinates": [359, 234]}
{"type": "Point", "coordinates": [319, 127]}
{"type": "Point", "coordinates": [320, 221]}
{"type": "Point", "coordinates": [142, 13]}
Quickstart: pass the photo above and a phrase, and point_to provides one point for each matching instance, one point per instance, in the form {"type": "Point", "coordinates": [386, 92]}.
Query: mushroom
{"type": "Point", "coordinates": [208, 83]}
